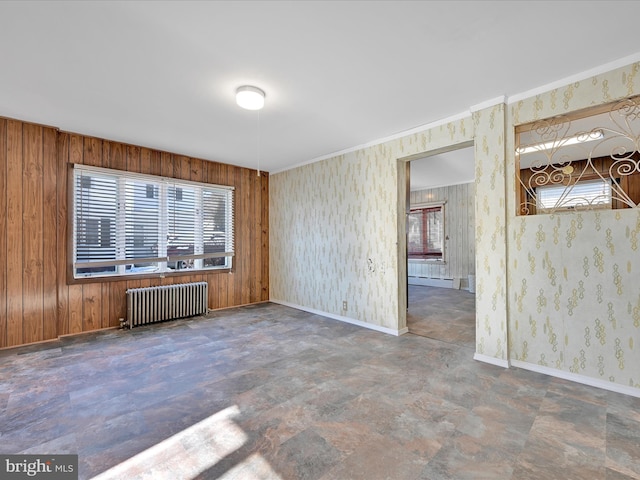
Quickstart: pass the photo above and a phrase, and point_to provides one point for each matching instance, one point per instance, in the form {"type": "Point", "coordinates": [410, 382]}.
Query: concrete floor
{"type": "Point", "coordinates": [269, 392]}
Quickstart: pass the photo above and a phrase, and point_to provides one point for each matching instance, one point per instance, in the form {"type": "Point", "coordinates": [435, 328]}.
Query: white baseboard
{"type": "Point", "coordinates": [377, 328]}
{"type": "Point", "coordinates": [492, 360]}
{"type": "Point", "coordinates": [431, 282]}
{"type": "Point", "coordinates": [575, 377]}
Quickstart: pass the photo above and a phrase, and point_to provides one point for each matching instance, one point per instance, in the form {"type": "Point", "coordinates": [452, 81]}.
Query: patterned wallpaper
{"type": "Point", "coordinates": [334, 230]}
{"type": "Point", "coordinates": [573, 276]}
{"type": "Point", "coordinates": [557, 291]}
{"type": "Point", "coordinates": [491, 252]}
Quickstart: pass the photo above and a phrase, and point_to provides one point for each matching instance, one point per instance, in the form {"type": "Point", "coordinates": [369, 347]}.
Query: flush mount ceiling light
{"type": "Point", "coordinates": [251, 98]}
{"type": "Point", "coordinates": [582, 137]}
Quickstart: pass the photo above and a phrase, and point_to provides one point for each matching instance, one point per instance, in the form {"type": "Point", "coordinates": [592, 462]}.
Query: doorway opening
{"type": "Point", "coordinates": [441, 246]}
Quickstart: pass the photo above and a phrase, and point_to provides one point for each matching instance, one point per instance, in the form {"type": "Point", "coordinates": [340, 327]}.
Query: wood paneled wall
{"type": "Point", "coordinates": [36, 301]}
{"type": "Point", "coordinates": [459, 230]}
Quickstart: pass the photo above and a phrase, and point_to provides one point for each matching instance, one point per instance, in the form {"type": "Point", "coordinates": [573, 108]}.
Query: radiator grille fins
{"type": "Point", "coordinates": [166, 302]}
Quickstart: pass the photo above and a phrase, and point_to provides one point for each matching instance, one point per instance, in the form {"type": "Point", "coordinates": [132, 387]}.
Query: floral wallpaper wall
{"type": "Point", "coordinates": [554, 291]}
{"type": "Point", "coordinates": [334, 229]}
{"type": "Point", "coordinates": [574, 294]}
{"type": "Point", "coordinates": [491, 252]}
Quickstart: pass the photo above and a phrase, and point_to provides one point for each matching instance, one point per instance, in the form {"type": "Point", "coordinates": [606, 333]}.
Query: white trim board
{"type": "Point", "coordinates": [431, 282]}
{"type": "Point", "coordinates": [574, 377]}
{"type": "Point", "coordinates": [370, 326]}
{"type": "Point", "coordinates": [578, 77]}
{"type": "Point", "coordinates": [499, 362]}
{"type": "Point", "coordinates": [503, 99]}
{"type": "Point", "coordinates": [488, 103]}
{"type": "Point", "coordinates": [405, 133]}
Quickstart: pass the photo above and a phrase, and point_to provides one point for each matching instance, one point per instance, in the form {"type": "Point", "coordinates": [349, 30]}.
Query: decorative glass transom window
{"type": "Point", "coordinates": [126, 223]}
{"type": "Point", "coordinates": [583, 161]}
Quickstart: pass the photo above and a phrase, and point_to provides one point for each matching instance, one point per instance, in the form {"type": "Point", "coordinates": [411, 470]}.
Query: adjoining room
{"type": "Point", "coordinates": [441, 247]}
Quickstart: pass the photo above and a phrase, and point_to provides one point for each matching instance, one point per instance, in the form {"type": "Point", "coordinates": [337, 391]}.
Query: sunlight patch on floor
{"type": "Point", "coordinates": [253, 468]}
{"type": "Point", "coordinates": [193, 451]}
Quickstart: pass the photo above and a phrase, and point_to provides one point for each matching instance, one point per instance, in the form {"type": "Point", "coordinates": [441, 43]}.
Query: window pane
{"type": "Point", "coordinates": [585, 193]}
{"type": "Point", "coordinates": [214, 225]}
{"type": "Point", "coordinates": [434, 230]}
{"type": "Point", "coordinates": [142, 223]}
{"type": "Point", "coordinates": [181, 211]}
{"type": "Point", "coordinates": [96, 205]}
{"type": "Point", "coordinates": [414, 240]}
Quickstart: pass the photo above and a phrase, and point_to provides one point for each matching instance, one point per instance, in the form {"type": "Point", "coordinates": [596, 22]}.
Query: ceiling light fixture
{"type": "Point", "coordinates": [579, 138]}
{"type": "Point", "coordinates": [251, 98]}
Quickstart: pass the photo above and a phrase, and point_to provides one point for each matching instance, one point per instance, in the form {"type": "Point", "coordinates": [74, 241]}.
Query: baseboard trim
{"type": "Point", "coordinates": [377, 328]}
{"type": "Point", "coordinates": [432, 282]}
{"type": "Point", "coordinates": [575, 377]}
{"type": "Point", "coordinates": [499, 362]}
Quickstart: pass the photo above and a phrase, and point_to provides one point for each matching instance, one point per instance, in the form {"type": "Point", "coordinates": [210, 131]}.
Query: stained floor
{"type": "Point", "coordinates": [269, 392]}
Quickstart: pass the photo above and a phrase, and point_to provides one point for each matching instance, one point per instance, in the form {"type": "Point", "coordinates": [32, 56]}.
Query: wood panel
{"type": "Point", "coordinates": [62, 310]}
{"type": "Point", "coordinates": [155, 166]}
{"type": "Point", "coordinates": [264, 239]}
{"type": "Point", "coordinates": [117, 156]}
{"type": "Point", "coordinates": [166, 164]}
{"type": "Point", "coordinates": [14, 233]}
{"type": "Point", "coordinates": [92, 152]}
{"type": "Point", "coordinates": [49, 234]}
{"type": "Point", "coordinates": [243, 253]}
{"type": "Point", "coordinates": [105, 318]}
{"type": "Point", "coordinates": [145, 160]}
{"type": "Point", "coordinates": [32, 221]}
{"type": "Point", "coordinates": [255, 236]}
{"type": "Point", "coordinates": [91, 306]}
{"type": "Point", "coordinates": [37, 302]}
{"type": "Point", "coordinates": [117, 302]}
{"type": "Point", "coordinates": [133, 159]}
{"type": "Point", "coordinates": [75, 309]}
{"type": "Point", "coordinates": [3, 228]}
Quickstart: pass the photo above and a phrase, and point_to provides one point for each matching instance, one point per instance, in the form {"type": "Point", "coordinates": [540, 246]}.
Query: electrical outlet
{"type": "Point", "coordinates": [344, 304]}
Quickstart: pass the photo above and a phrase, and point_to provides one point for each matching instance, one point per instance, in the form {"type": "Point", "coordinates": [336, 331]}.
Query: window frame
{"type": "Point", "coordinates": [195, 259]}
{"type": "Point", "coordinates": [427, 257]}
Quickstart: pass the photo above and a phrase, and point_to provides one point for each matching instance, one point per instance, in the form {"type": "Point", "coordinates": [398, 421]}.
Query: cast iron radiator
{"type": "Point", "coordinates": [166, 302]}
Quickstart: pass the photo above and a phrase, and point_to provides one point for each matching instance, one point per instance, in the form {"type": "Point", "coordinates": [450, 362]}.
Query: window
{"type": "Point", "coordinates": [594, 193]}
{"type": "Point", "coordinates": [127, 224]}
{"type": "Point", "coordinates": [426, 233]}
{"type": "Point", "coordinates": [585, 160]}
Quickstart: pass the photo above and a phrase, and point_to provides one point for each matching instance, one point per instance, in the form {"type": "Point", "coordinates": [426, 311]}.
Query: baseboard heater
{"type": "Point", "coordinates": [166, 302]}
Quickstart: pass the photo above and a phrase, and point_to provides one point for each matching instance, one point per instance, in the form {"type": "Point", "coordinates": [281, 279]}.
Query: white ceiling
{"type": "Point", "coordinates": [337, 74]}
{"type": "Point", "coordinates": [450, 168]}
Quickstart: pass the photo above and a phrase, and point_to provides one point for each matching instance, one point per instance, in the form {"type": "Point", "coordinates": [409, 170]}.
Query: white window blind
{"type": "Point", "coordinates": [126, 223]}
{"type": "Point", "coordinates": [591, 192]}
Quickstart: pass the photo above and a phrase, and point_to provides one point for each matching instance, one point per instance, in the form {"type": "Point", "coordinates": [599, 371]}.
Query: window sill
{"type": "Point", "coordinates": [131, 278]}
